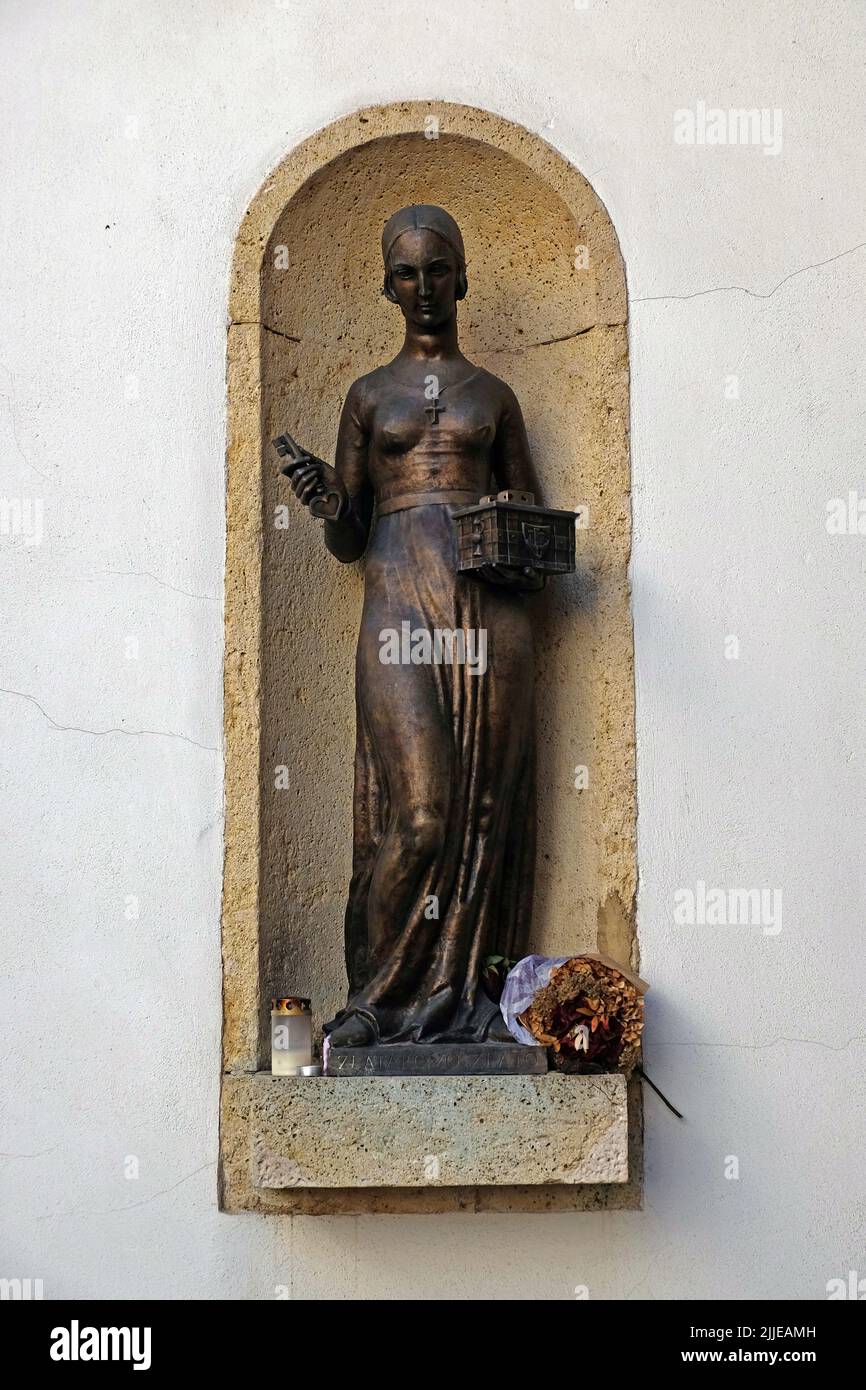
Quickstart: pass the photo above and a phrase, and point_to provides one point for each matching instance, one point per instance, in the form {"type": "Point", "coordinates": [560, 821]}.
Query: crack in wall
{"type": "Point", "coordinates": [753, 294]}
{"type": "Point", "coordinates": [101, 733]}
{"type": "Point", "coordinates": [257, 323]}
{"type": "Point", "coordinates": [549, 342]}
{"type": "Point", "coordinates": [521, 347]}
{"type": "Point", "coordinates": [756, 1047]}
{"type": "Point", "coordinates": [12, 421]}
{"type": "Point", "coordinates": [145, 574]}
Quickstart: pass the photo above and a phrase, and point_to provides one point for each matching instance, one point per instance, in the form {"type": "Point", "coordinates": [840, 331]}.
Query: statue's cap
{"type": "Point", "coordinates": [432, 219]}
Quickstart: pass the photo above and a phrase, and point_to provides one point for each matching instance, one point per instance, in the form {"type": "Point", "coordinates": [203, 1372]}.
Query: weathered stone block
{"type": "Point", "coordinates": [322, 1132]}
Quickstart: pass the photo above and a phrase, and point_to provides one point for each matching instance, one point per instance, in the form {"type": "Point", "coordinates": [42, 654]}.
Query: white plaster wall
{"type": "Point", "coordinates": [133, 137]}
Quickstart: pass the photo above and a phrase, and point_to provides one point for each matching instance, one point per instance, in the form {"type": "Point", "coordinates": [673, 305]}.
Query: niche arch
{"type": "Point", "coordinates": [546, 310]}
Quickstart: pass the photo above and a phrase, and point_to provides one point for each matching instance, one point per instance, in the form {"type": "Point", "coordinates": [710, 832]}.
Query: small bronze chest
{"type": "Point", "coordinates": [509, 529]}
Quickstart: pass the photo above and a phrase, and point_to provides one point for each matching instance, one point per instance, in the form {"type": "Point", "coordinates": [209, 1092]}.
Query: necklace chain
{"type": "Point", "coordinates": [415, 386]}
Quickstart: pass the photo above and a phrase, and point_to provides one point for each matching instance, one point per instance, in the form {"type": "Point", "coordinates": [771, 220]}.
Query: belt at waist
{"type": "Point", "coordinates": [454, 498]}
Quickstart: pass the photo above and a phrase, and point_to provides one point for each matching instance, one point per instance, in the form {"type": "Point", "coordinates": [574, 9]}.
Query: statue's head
{"type": "Point", "coordinates": [425, 264]}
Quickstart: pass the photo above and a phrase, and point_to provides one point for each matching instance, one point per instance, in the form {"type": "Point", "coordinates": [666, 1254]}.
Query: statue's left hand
{"type": "Point", "coordinates": [521, 579]}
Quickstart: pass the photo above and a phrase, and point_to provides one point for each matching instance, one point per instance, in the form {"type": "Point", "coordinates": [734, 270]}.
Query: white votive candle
{"type": "Point", "coordinates": [291, 1036]}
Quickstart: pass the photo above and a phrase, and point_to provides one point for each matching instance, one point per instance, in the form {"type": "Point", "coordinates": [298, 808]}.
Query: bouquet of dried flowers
{"type": "Point", "coordinates": [590, 1015]}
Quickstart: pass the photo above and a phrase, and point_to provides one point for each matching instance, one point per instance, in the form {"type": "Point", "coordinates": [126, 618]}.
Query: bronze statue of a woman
{"type": "Point", "coordinates": [444, 801]}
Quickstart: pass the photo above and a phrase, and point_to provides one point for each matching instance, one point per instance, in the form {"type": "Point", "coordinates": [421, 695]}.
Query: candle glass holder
{"type": "Point", "coordinates": [291, 1036]}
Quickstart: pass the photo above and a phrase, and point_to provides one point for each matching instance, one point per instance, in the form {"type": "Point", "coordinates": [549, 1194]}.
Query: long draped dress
{"type": "Point", "coordinates": [444, 798]}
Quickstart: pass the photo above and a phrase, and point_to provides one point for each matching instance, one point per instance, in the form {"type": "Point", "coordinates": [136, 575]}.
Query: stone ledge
{"type": "Point", "coordinates": [437, 1132]}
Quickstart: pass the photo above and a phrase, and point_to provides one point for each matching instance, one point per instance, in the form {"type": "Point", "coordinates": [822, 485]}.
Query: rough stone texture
{"type": "Point", "coordinates": [298, 338]}
{"type": "Point", "coordinates": [438, 1131]}
{"type": "Point", "coordinates": [241, 1096]}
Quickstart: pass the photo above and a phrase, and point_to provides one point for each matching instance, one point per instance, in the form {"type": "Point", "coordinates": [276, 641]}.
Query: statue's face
{"type": "Point", "coordinates": [424, 278]}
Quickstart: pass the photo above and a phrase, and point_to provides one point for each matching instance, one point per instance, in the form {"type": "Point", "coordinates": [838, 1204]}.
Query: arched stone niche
{"type": "Point", "coordinates": [546, 311]}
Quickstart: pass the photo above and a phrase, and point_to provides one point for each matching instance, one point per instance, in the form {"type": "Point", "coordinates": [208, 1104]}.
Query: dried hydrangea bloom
{"type": "Point", "coordinates": [591, 1016]}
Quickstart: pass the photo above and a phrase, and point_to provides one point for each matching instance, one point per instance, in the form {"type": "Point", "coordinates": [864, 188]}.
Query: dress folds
{"type": "Point", "coordinates": [444, 799]}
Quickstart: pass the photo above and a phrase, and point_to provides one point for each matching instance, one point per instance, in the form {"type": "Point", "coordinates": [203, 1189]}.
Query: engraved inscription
{"type": "Point", "coordinates": [413, 1059]}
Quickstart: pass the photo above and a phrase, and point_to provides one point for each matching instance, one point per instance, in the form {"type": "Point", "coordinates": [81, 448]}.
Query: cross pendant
{"type": "Point", "coordinates": [434, 410]}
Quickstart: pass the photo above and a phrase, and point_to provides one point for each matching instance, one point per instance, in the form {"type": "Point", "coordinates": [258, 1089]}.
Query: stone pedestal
{"type": "Point", "coordinates": [445, 1131]}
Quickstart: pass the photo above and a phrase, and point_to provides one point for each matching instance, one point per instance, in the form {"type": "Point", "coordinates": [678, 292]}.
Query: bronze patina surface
{"type": "Point", "coordinates": [444, 801]}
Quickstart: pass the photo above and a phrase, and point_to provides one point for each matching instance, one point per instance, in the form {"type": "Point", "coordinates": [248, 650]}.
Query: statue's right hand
{"type": "Point", "coordinates": [318, 486]}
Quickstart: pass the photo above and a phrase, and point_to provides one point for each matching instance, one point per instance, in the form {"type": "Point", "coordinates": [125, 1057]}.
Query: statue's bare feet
{"type": "Point", "coordinates": [354, 1031]}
